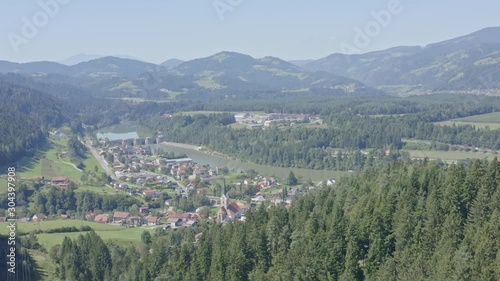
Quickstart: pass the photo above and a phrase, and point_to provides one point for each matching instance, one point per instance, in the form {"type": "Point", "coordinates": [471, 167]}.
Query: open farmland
{"type": "Point", "coordinates": [491, 120]}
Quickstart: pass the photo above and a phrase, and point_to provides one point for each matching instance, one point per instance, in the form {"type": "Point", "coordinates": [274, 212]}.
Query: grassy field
{"type": "Point", "coordinates": [105, 190]}
{"type": "Point", "coordinates": [450, 155]}
{"type": "Point", "coordinates": [45, 265]}
{"type": "Point", "coordinates": [491, 120]}
{"type": "Point", "coordinates": [51, 224]}
{"type": "Point", "coordinates": [47, 163]}
{"type": "Point", "coordinates": [98, 189]}
{"type": "Point", "coordinates": [90, 163]}
{"type": "Point", "coordinates": [3, 185]}
{"type": "Point", "coordinates": [118, 234]}
{"type": "Point", "coordinates": [123, 236]}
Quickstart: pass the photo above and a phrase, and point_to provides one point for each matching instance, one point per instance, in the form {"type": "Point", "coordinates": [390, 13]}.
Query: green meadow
{"type": "Point", "coordinates": [491, 120]}
{"type": "Point", "coordinates": [49, 163]}
{"type": "Point", "coordinates": [51, 224]}
{"type": "Point", "coordinates": [123, 236]}
{"type": "Point", "coordinates": [118, 234]}
{"type": "Point", "coordinates": [450, 155]}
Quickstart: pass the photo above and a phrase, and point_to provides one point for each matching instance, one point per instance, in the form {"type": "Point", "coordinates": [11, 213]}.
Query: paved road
{"type": "Point", "coordinates": [101, 160]}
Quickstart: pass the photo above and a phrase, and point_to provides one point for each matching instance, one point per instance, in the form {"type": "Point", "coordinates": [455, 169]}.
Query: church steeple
{"type": "Point", "coordinates": [224, 191]}
{"type": "Point", "coordinates": [224, 199]}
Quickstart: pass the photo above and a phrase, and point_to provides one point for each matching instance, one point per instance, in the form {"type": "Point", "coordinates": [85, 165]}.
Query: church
{"type": "Point", "coordinates": [228, 210]}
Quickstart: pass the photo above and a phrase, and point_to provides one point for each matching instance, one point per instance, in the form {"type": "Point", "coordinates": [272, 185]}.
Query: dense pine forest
{"type": "Point", "coordinates": [405, 220]}
{"type": "Point", "coordinates": [26, 266]}
{"type": "Point", "coordinates": [31, 109]}
{"type": "Point", "coordinates": [54, 200]}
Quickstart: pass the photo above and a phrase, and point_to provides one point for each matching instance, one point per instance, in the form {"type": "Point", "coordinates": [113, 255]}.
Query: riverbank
{"type": "Point", "coordinates": [199, 148]}
{"type": "Point", "coordinates": [207, 157]}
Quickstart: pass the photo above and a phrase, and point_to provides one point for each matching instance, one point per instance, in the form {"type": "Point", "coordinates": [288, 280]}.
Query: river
{"type": "Point", "coordinates": [205, 158]}
{"type": "Point", "coordinates": [129, 130]}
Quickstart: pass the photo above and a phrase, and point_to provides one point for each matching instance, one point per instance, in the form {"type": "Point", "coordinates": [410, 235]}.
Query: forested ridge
{"type": "Point", "coordinates": [53, 201]}
{"type": "Point", "coordinates": [20, 134]}
{"type": "Point", "coordinates": [338, 145]}
{"type": "Point", "coordinates": [30, 109]}
{"type": "Point", "coordinates": [290, 147]}
{"type": "Point", "coordinates": [404, 220]}
{"type": "Point", "coordinates": [25, 117]}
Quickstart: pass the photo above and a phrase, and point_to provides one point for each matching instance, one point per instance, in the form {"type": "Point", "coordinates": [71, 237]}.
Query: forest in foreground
{"type": "Point", "coordinates": [405, 220]}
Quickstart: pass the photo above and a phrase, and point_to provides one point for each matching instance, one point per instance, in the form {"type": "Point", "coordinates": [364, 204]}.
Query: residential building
{"type": "Point", "coordinates": [39, 217]}
{"type": "Point", "coordinates": [102, 218]}
{"type": "Point", "coordinates": [60, 181]}
{"type": "Point", "coordinates": [143, 210]}
{"type": "Point", "coordinates": [135, 221]}
{"type": "Point", "coordinates": [173, 222]}
{"type": "Point", "coordinates": [119, 217]}
{"type": "Point", "coordinates": [153, 221]}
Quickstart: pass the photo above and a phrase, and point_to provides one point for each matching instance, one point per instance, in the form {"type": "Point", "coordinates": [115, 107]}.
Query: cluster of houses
{"type": "Point", "coordinates": [125, 218]}
{"type": "Point", "coordinates": [132, 142]}
{"type": "Point", "coordinates": [35, 218]}
{"type": "Point", "coordinates": [132, 161]}
{"type": "Point", "coordinates": [173, 219]}
{"type": "Point", "coordinates": [275, 119]}
{"type": "Point", "coordinates": [60, 181]}
{"type": "Point", "coordinates": [261, 181]}
{"type": "Point", "coordinates": [176, 220]}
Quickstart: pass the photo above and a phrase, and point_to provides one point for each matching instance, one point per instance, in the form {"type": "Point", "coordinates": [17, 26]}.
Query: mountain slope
{"type": "Point", "coordinates": [105, 66]}
{"type": "Point", "coordinates": [222, 73]}
{"type": "Point", "coordinates": [464, 63]}
{"type": "Point", "coordinates": [112, 66]}
{"type": "Point", "coordinates": [34, 67]}
{"type": "Point", "coordinates": [169, 64]}
{"type": "Point", "coordinates": [76, 59]}
{"type": "Point", "coordinates": [228, 70]}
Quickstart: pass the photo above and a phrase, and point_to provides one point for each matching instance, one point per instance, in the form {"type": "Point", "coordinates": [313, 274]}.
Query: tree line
{"type": "Point", "coordinates": [405, 220]}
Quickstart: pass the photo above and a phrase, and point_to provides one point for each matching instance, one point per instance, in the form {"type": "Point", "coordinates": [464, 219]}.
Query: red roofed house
{"type": "Point", "coordinates": [155, 194]}
{"type": "Point", "coordinates": [153, 221]}
{"type": "Point", "coordinates": [181, 216]}
{"type": "Point", "coordinates": [60, 181]}
{"type": "Point", "coordinates": [119, 217]}
{"type": "Point", "coordinates": [101, 218]}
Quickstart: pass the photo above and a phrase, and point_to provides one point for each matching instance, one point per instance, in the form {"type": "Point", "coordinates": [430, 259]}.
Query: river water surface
{"type": "Point", "coordinates": [129, 131]}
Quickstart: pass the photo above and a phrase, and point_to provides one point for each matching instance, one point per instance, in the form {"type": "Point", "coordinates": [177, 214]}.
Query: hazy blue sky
{"type": "Point", "coordinates": [156, 30]}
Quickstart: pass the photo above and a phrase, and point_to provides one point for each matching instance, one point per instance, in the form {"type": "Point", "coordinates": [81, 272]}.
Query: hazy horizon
{"type": "Point", "coordinates": [156, 31]}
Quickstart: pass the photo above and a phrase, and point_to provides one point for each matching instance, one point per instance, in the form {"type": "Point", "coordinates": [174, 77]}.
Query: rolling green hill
{"type": "Point", "coordinates": [470, 62]}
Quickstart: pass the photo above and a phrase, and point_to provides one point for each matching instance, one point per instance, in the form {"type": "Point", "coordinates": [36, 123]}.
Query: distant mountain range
{"type": "Point", "coordinates": [169, 64]}
{"type": "Point", "coordinates": [470, 62]}
{"type": "Point", "coordinates": [228, 69]}
{"type": "Point", "coordinates": [225, 72]}
{"type": "Point", "coordinates": [76, 59]}
{"type": "Point", "coordinates": [465, 63]}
